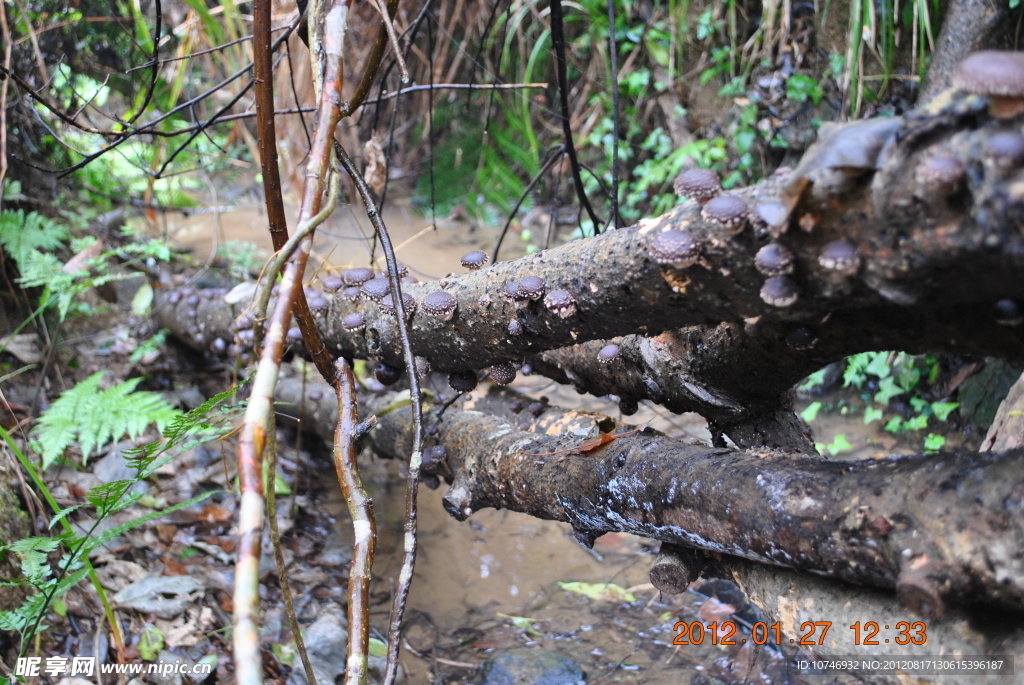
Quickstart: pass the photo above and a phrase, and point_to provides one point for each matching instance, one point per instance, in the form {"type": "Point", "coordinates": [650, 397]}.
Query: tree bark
{"type": "Point", "coordinates": [969, 26]}
{"type": "Point", "coordinates": [938, 529]}
{"type": "Point", "coordinates": [1007, 430]}
{"type": "Point", "coordinates": [740, 377]}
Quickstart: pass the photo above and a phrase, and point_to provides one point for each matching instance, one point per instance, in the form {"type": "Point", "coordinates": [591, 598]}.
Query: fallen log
{"type": "Point", "coordinates": [740, 377]}
{"type": "Point", "coordinates": [1007, 430]}
{"type": "Point", "coordinates": [785, 595]}
{"type": "Point", "coordinates": [864, 228]}
{"type": "Point", "coordinates": [938, 529]}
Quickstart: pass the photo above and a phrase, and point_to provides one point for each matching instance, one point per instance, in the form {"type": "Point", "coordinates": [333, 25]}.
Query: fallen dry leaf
{"type": "Point", "coordinates": [713, 610]}
{"type": "Point", "coordinates": [77, 263]}
{"type": "Point", "coordinates": [376, 164]}
{"type": "Point", "coordinates": [212, 514]}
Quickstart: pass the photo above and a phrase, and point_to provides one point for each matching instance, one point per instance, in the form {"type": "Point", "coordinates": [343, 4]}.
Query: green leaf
{"type": "Point", "coordinates": [517, 621]}
{"type": "Point", "coordinates": [285, 653]}
{"type": "Point", "coordinates": [143, 300]}
{"type": "Point", "coordinates": [60, 607]}
{"type": "Point", "coordinates": [934, 443]}
{"type": "Point", "coordinates": [854, 373]}
{"type": "Point", "coordinates": [872, 414]}
{"type": "Point", "coordinates": [894, 425]}
{"type": "Point", "coordinates": [114, 532]}
{"type": "Point", "coordinates": [813, 381]}
{"type": "Point", "coordinates": [151, 642]}
{"type": "Point", "coordinates": [839, 444]}
{"type": "Point", "coordinates": [24, 234]}
{"type": "Point", "coordinates": [811, 412]}
{"type": "Point", "coordinates": [878, 364]}
{"type": "Point", "coordinates": [94, 417]}
{"type": "Point", "coordinates": [608, 592]}
{"type": "Point", "coordinates": [887, 389]}
{"type": "Point", "coordinates": [378, 648]}
{"type": "Point", "coordinates": [916, 423]}
{"type": "Point", "coordinates": [943, 409]}
{"type": "Point", "coordinates": [919, 404]}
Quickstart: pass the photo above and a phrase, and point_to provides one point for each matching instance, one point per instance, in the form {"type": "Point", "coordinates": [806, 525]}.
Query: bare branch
{"type": "Point", "coordinates": [360, 509]}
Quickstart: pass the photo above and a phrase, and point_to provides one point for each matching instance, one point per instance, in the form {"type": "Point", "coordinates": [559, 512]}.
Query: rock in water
{"type": "Point", "coordinates": [531, 667]}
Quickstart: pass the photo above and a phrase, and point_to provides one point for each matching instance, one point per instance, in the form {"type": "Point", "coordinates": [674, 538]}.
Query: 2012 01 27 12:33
{"type": "Point", "coordinates": [811, 633]}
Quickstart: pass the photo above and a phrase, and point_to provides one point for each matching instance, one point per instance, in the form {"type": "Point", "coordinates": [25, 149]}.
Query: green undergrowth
{"type": "Point", "coordinates": [894, 388]}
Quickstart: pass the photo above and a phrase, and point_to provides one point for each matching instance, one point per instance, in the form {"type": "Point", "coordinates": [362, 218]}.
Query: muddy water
{"type": "Point", "coordinates": [492, 583]}
{"type": "Point", "coordinates": [343, 240]}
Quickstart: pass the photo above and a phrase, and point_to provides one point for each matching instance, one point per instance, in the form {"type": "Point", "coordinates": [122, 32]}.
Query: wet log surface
{"type": "Point", "coordinates": [932, 527]}
{"type": "Point", "coordinates": [788, 596]}
{"type": "Point", "coordinates": [939, 529]}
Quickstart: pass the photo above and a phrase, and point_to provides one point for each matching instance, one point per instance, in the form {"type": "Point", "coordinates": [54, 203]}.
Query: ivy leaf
{"type": "Point", "coordinates": [839, 444]}
{"type": "Point", "coordinates": [872, 414]}
{"type": "Point", "coordinates": [919, 422]}
{"type": "Point", "coordinates": [811, 412]}
{"type": "Point", "coordinates": [943, 409]}
{"type": "Point", "coordinates": [887, 389]}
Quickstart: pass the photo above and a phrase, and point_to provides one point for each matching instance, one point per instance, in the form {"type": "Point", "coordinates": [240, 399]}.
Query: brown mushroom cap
{"type": "Point", "coordinates": [386, 375]}
{"type": "Point", "coordinates": [474, 260]}
{"type": "Point", "coordinates": [561, 302]}
{"type": "Point", "coordinates": [376, 288]}
{"type": "Point", "coordinates": [774, 259]}
{"type": "Point", "coordinates": [728, 211]}
{"type": "Point", "coordinates": [387, 305]}
{"type": "Point", "coordinates": [675, 248]}
{"type": "Point", "coordinates": [839, 255]}
{"type": "Point", "coordinates": [608, 353]}
{"type": "Point", "coordinates": [628, 406]}
{"type": "Point", "coordinates": [1005, 150]}
{"type": "Point", "coordinates": [462, 381]}
{"type": "Point", "coordinates": [318, 304]}
{"type": "Point", "coordinates": [698, 184]}
{"type": "Point", "coordinates": [357, 276]}
{"type": "Point", "coordinates": [1008, 313]}
{"type": "Point", "coordinates": [940, 172]}
{"type": "Point", "coordinates": [512, 294]}
{"type": "Point", "coordinates": [531, 287]}
{"type": "Point", "coordinates": [771, 214]}
{"type": "Point", "coordinates": [801, 338]}
{"type": "Point", "coordinates": [502, 374]}
{"type": "Point", "coordinates": [440, 304]}
{"type": "Point", "coordinates": [780, 291]}
{"type": "Point", "coordinates": [991, 72]}
{"type": "Point", "coordinates": [332, 283]}
{"type": "Point", "coordinates": [353, 321]}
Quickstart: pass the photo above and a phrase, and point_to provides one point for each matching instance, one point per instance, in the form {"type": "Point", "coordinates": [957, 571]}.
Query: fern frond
{"type": "Point", "coordinates": [94, 417]}
{"type": "Point", "coordinates": [22, 234]}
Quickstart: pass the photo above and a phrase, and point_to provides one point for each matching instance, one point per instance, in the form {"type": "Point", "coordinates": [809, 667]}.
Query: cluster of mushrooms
{"type": "Point", "coordinates": [996, 76]}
